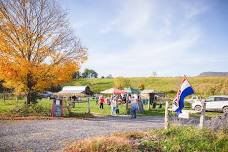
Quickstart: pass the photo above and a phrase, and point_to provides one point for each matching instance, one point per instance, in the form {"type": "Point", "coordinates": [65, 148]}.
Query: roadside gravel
{"type": "Point", "coordinates": [53, 135]}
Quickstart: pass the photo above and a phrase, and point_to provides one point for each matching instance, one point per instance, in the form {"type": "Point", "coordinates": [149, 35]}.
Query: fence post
{"type": "Point", "coordinates": [166, 115]}
{"type": "Point", "coordinates": [202, 115]}
{"type": "Point", "coordinates": [88, 104]}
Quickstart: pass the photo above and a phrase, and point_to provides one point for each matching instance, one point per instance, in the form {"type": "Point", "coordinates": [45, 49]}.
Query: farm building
{"type": "Point", "coordinates": [75, 90]}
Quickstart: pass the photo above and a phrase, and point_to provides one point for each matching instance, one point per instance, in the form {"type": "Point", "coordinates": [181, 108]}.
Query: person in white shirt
{"type": "Point", "coordinates": [134, 106]}
{"type": "Point", "coordinates": [113, 106]}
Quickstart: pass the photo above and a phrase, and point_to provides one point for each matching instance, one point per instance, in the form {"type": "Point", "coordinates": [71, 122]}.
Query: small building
{"type": "Point", "coordinates": [147, 94]}
{"type": "Point", "coordinates": [150, 96]}
{"type": "Point", "coordinates": [75, 91]}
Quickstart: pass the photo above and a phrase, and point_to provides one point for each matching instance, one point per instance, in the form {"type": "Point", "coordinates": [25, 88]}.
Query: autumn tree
{"type": "Point", "coordinates": [37, 46]}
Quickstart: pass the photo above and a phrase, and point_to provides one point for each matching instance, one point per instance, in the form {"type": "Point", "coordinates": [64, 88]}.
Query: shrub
{"type": "Point", "coordinates": [101, 144]}
{"type": "Point", "coordinates": [42, 108]}
{"type": "Point", "coordinates": [191, 139]}
{"type": "Point", "coordinates": [176, 139]}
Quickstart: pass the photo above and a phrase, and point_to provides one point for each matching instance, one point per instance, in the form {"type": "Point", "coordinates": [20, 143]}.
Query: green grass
{"type": "Point", "coordinates": [44, 106]}
{"type": "Point", "coordinates": [8, 105]}
{"type": "Point", "coordinates": [18, 108]}
{"type": "Point", "coordinates": [203, 86]}
{"type": "Point", "coordinates": [208, 114]}
{"type": "Point", "coordinates": [153, 112]}
{"type": "Point", "coordinates": [175, 139]}
{"type": "Point", "coordinates": [94, 108]}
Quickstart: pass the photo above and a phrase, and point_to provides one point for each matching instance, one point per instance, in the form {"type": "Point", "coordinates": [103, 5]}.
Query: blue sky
{"type": "Point", "coordinates": [139, 37]}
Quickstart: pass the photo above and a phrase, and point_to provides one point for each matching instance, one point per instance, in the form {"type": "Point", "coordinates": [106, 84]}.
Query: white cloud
{"type": "Point", "coordinates": [133, 16]}
{"type": "Point", "coordinates": [158, 39]}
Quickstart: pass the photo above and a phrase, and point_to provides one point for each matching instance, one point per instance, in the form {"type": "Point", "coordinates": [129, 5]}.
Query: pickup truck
{"type": "Point", "coordinates": [213, 103]}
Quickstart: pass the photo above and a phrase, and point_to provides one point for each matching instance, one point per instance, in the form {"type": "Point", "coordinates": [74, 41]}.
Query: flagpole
{"type": "Point", "coordinates": [202, 114]}
{"type": "Point", "coordinates": [189, 83]}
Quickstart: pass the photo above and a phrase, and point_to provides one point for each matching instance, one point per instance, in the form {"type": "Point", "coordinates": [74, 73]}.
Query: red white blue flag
{"type": "Point", "coordinates": [184, 91]}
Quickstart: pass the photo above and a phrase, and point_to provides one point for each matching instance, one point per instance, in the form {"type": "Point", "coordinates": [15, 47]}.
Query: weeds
{"type": "Point", "coordinates": [175, 139]}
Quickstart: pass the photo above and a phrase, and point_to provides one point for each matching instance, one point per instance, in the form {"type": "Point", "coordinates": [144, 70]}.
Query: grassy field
{"type": "Point", "coordinates": [18, 108]}
{"type": "Point", "coordinates": [176, 139]}
{"type": "Point", "coordinates": [43, 108]}
{"type": "Point", "coordinates": [83, 107]}
{"type": "Point", "coordinates": [203, 86]}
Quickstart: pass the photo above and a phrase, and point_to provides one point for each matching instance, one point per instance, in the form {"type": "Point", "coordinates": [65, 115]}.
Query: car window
{"type": "Point", "coordinates": [221, 99]}
{"type": "Point", "coordinates": [218, 99]}
{"type": "Point", "coordinates": [210, 99]}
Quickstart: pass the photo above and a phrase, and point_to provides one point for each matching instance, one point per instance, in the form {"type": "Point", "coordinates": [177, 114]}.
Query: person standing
{"type": "Point", "coordinates": [117, 108]}
{"type": "Point", "coordinates": [113, 106]}
{"type": "Point", "coordinates": [102, 100]}
{"type": "Point", "coordinates": [97, 99]}
{"type": "Point", "coordinates": [134, 106]}
{"type": "Point", "coordinates": [140, 104]}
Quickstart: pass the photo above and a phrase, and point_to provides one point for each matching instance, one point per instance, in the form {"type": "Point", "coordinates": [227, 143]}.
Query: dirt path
{"type": "Point", "coordinates": [52, 135]}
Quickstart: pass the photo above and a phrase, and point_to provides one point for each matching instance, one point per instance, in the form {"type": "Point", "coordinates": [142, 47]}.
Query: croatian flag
{"type": "Point", "coordinates": [185, 90]}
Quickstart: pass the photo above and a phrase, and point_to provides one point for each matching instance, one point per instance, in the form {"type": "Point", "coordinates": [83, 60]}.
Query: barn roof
{"type": "Point", "coordinates": [74, 90]}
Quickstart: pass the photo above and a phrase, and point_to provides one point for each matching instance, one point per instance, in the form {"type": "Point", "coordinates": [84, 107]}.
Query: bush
{"type": "Point", "coordinates": [191, 139]}
{"type": "Point", "coordinates": [102, 144]}
{"type": "Point", "coordinates": [42, 108]}
{"type": "Point", "coordinates": [176, 139]}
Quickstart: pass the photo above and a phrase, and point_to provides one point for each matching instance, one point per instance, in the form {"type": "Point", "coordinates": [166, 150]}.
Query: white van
{"type": "Point", "coordinates": [213, 103]}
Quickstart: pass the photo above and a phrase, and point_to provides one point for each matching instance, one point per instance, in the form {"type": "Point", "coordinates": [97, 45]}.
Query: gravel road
{"type": "Point", "coordinates": [53, 135]}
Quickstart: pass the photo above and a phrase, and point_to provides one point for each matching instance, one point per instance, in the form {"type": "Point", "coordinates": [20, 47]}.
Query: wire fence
{"type": "Point", "coordinates": [10, 96]}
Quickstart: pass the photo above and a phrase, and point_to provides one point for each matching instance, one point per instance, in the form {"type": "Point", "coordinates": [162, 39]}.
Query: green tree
{"type": "Point", "coordinates": [89, 73]}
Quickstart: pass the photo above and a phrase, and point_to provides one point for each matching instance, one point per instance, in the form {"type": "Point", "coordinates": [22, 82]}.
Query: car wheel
{"type": "Point", "coordinates": [198, 108]}
{"type": "Point", "coordinates": [225, 109]}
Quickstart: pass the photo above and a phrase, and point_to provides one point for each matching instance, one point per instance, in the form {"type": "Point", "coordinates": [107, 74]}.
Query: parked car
{"type": "Point", "coordinates": [46, 94]}
{"type": "Point", "coordinates": [193, 99]}
{"type": "Point", "coordinates": [213, 103]}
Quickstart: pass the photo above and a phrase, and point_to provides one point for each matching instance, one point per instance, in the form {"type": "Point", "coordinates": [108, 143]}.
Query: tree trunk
{"type": "Point", "coordinates": [30, 93]}
{"type": "Point", "coordinates": [28, 98]}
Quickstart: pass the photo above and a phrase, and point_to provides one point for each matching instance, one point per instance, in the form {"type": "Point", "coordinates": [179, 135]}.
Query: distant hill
{"type": "Point", "coordinates": [214, 74]}
{"type": "Point", "coordinates": [203, 86]}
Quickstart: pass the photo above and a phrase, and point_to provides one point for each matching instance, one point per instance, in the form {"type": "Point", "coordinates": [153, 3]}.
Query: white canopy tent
{"type": "Point", "coordinates": [147, 91]}
{"type": "Point", "coordinates": [113, 91]}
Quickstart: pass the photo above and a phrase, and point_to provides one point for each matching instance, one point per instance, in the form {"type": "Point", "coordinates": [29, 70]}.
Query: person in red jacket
{"type": "Point", "coordinates": [102, 100]}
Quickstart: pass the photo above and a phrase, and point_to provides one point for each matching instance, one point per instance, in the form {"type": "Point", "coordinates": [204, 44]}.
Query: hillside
{"type": "Point", "coordinates": [203, 86]}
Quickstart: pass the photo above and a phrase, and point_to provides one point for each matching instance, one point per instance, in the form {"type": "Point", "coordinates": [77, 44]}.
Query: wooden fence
{"type": "Point", "coordinates": [168, 110]}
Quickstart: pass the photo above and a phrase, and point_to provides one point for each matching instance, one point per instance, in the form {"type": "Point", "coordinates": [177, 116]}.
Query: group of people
{"type": "Point", "coordinates": [115, 100]}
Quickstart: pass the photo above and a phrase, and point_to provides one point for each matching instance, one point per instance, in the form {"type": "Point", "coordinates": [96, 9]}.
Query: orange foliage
{"type": "Point", "coordinates": [33, 58]}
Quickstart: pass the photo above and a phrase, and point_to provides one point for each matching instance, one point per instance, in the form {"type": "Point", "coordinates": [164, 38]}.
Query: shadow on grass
{"type": "Point", "coordinates": [80, 115]}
